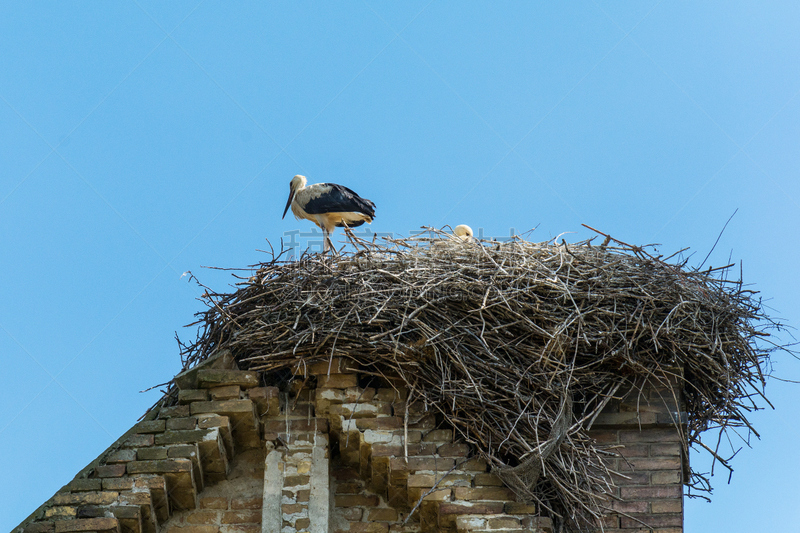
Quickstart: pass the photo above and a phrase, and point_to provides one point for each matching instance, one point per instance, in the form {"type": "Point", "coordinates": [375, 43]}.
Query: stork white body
{"type": "Point", "coordinates": [328, 205]}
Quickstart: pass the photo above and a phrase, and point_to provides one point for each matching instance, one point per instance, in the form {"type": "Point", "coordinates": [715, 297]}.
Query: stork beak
{"type": "Point", "coordinates": [288, 203]}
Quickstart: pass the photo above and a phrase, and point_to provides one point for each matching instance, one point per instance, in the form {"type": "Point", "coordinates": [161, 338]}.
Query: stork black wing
{"type": "Point", "coordinates": [339, 199]}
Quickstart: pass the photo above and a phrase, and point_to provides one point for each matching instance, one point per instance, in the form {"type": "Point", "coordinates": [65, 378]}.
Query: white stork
{"type": "Point", "coordinates": [328, 205]}
{"type": "Point", "coordinates": [463, 232]}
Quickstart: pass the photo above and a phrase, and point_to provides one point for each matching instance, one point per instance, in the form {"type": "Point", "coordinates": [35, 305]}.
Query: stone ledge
{"type": "Point", "coordinates": [209, 378]}
{"type": "Point", "coordinates": [160, 466]}
{"type": "Point", "coordinates": [87, 524]}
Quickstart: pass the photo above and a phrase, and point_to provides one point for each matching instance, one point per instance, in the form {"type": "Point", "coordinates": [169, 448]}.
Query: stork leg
{"type": "Point", "coordinates": [328, 242]}
{"type": "Point", "coordinates": [325, 240]}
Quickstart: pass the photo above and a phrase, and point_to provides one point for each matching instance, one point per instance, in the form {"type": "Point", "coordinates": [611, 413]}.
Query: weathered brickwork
{"type": "Point", "coordinates": [650, 462]}
{"type": "Point", "coordinates": [157, 470]}
{"type": "Point", "coordinates": [233, 505]}
{"type": "Point", "coordinates": [393, 461]}
{"type": "Point", "coordinates": [340, 451]}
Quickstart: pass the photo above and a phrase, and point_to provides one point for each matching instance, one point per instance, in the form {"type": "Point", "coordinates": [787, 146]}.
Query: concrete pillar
{"type": "Point", "coordinates": [271, 520]}
{"type": "Point", "coordinates": [319, 502]}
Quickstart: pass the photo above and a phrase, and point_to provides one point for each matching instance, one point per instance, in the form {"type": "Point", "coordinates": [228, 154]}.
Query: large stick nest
{"type": "Point", "coordinates": [518, 345]}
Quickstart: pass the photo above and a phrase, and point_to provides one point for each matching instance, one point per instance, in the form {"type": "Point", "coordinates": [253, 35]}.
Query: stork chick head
{"type": "Point", "coordinates": [297, 183]}
{"type": "Point", "coordinates": [463, 232]}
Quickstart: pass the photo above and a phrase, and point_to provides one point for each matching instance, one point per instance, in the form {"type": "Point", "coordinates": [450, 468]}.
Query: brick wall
{"type": "Point", "coordinates": [389, 454]}
{"type": "Point", "coordinates": [339, 452]}
{"type": "Point", "coordinates": [232, 505]}
{"type": "Point", "coordinates": [383, 468]}
{"type": "Point", "coordinates": [151, 479]}
{"type": "Point", "coordinates": [650, 460]}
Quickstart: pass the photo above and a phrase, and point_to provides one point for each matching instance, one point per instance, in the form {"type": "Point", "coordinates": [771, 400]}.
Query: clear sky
{"type": "Point", "coordinates": [142, 139]}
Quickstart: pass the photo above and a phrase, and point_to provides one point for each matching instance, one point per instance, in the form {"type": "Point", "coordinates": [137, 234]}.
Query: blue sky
{"type": "Point", "coordinates": [143, 139]}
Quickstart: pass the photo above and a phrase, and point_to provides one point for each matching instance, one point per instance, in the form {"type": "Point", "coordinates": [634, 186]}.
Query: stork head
{"type": "Point", "coordinates": [297, 183]}
{"type": "Point", "coordinates": [463, 232]}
